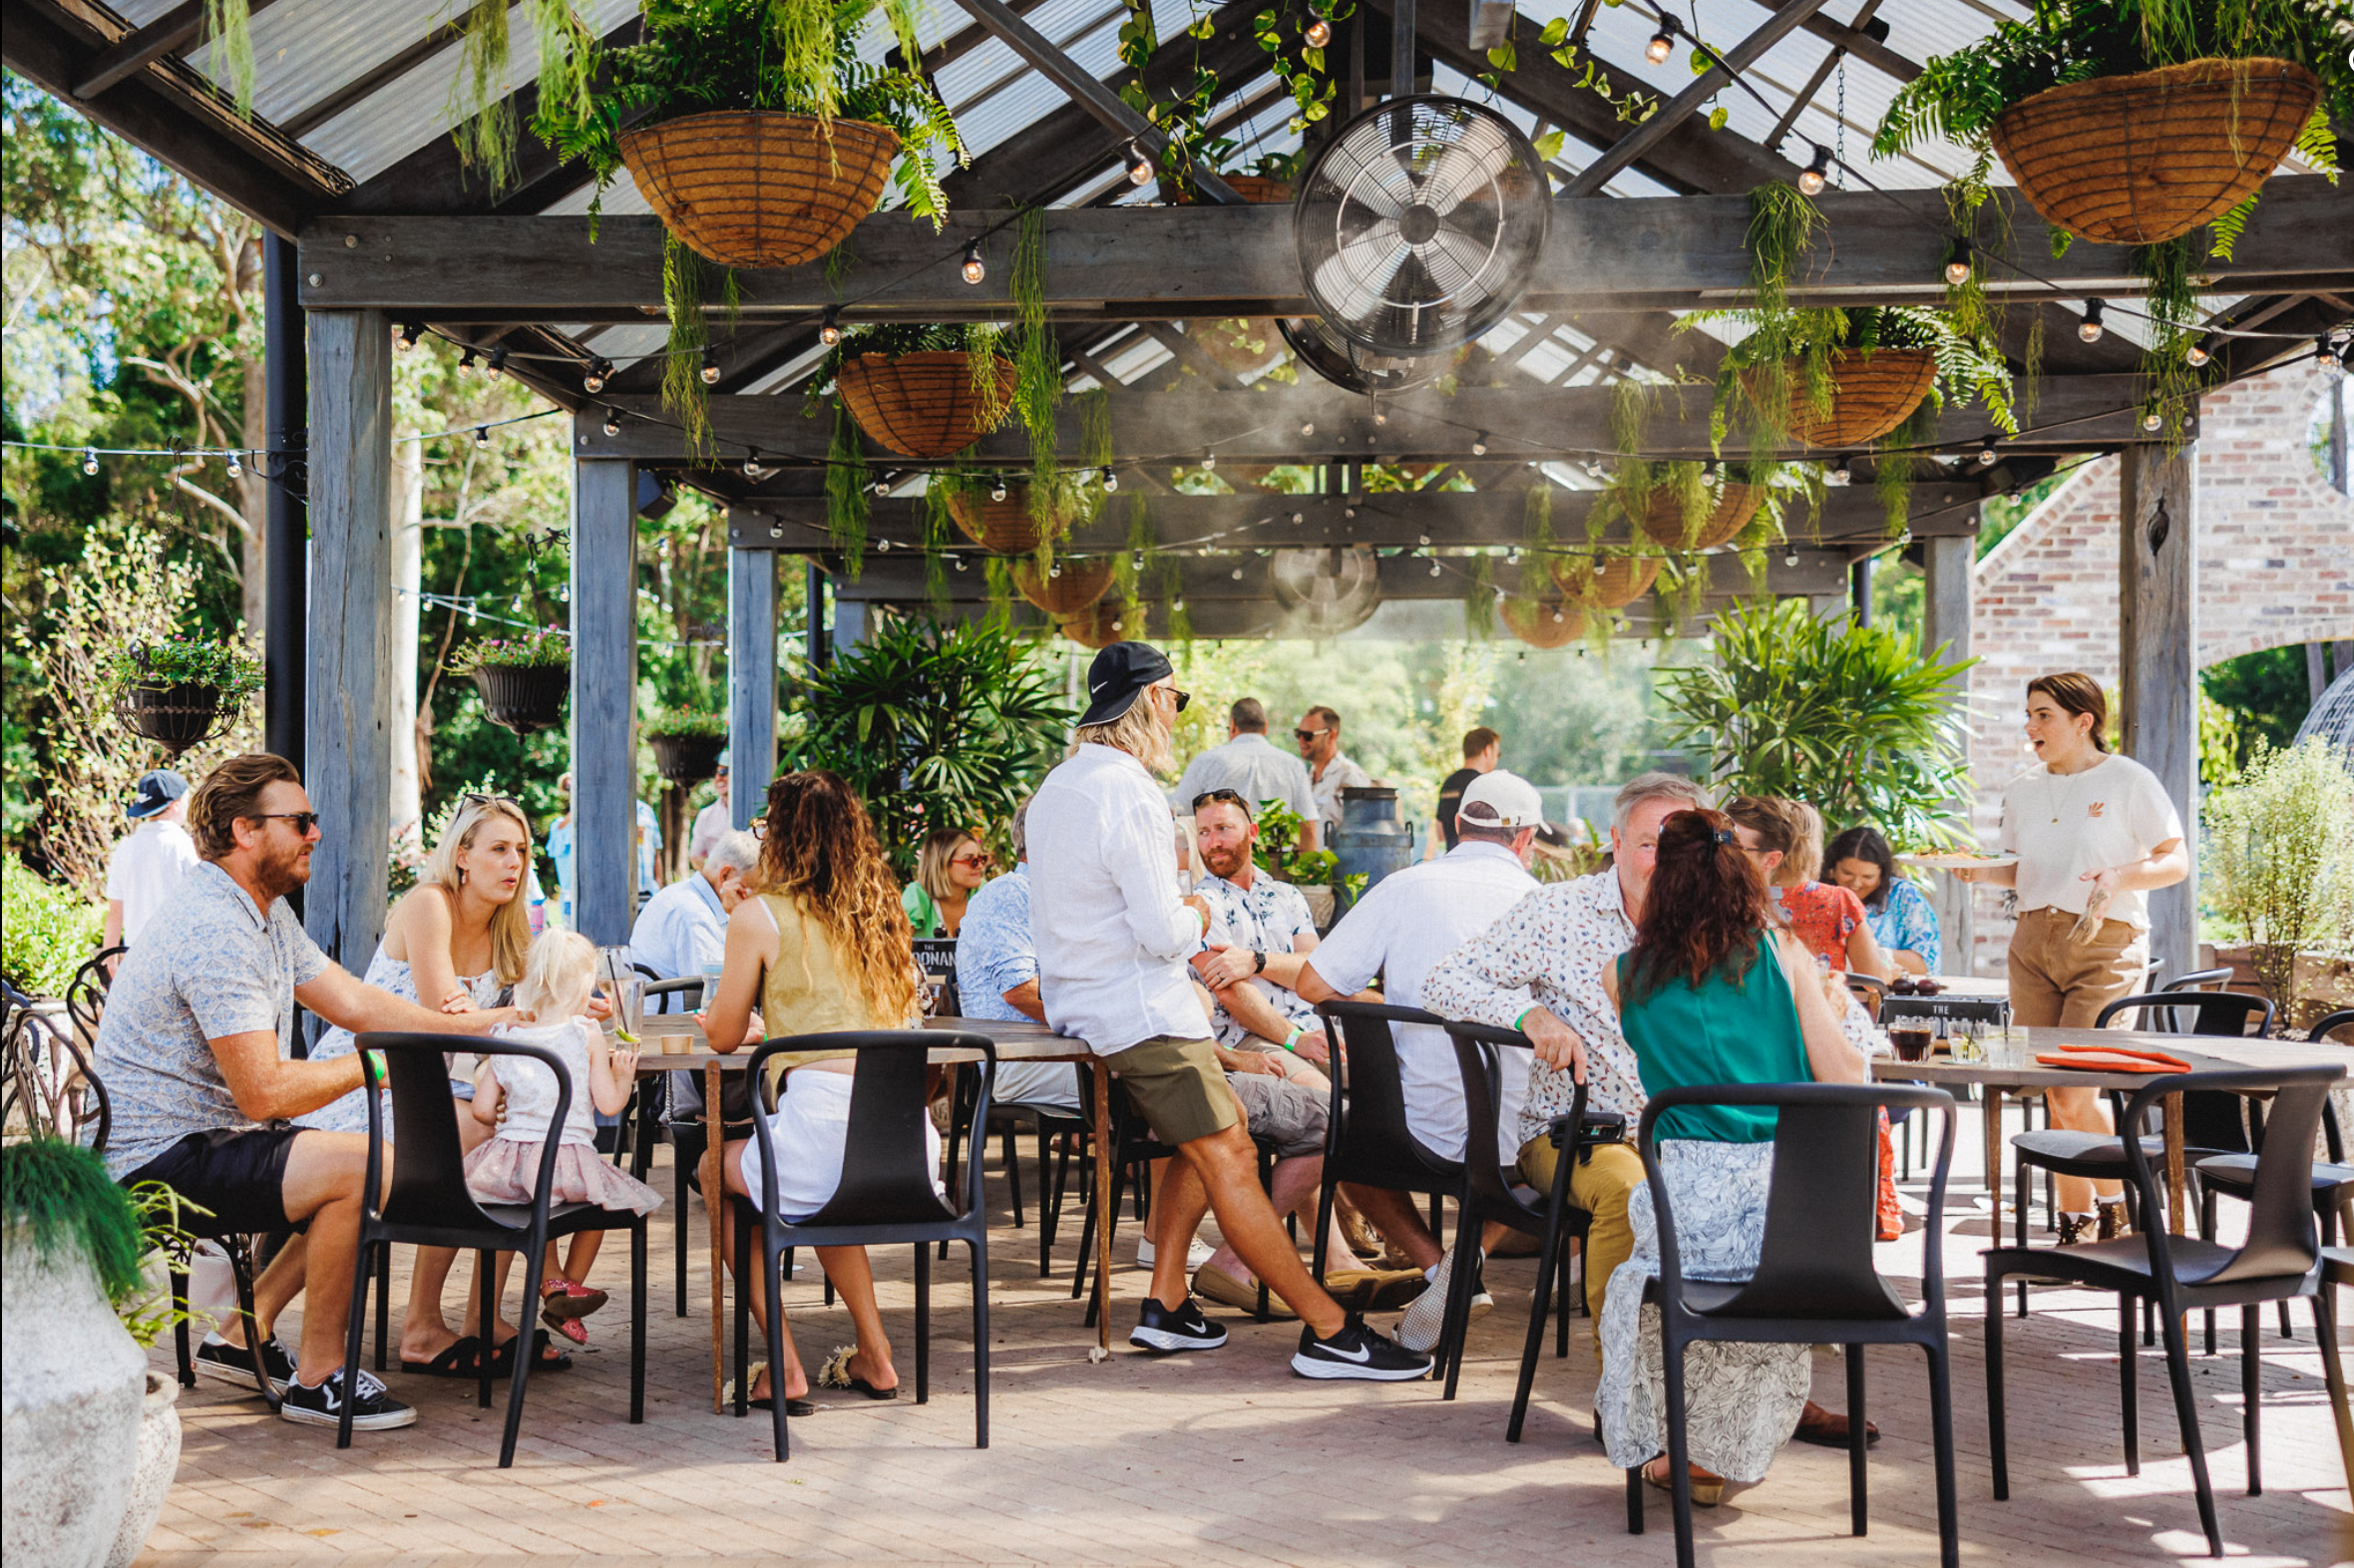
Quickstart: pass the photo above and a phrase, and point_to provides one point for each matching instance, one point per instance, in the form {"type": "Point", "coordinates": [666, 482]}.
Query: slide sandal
{"type": "Point", "coordinates": [463, 1358]}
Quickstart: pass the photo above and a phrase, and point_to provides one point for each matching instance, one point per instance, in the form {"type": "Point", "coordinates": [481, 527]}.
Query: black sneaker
{"type": "Point", "coordinates": [1183, 1330]}
{"type": "Point", "coordinates": [1356, 1351]}
{"type": "Point", "coordinates": [374, 1410]}
{"type": "Point", "coordinates": [217, 1357]}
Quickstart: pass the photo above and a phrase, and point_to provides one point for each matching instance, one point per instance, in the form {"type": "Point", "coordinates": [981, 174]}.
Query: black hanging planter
{"type": "Point", "coordinates": [687, 760]}
{"type": "Point", "coordinates": [524, 697]}
{"type": "Point", "coordinates": [173, 714]}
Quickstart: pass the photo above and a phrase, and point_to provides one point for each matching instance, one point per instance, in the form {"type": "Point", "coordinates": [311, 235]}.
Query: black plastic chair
{"type": "Point", "coordinates": [885, 1198]}
{"type": "Point", "coordinates": [1815, 1281]}
{"type": "Point", "coordinates": [2280, 1261]}
{"type": "Point", "coordinates": [1367, 1140]}
{"type": "Point", "coordinates": [428, 1203]}
{"type": "Point", "coordinates": [1869, 989]}
{"type": "Point", "coordinates": [1486, 1197]}
{"type": "Point", "coordinates": [2337, 1268]}
{"type": "Point", "coordinates": [47, 1079]}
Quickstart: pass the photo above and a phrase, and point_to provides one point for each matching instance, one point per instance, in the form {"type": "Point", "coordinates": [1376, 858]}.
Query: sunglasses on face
{"type": "Point", "coordinates": [1304, 736]}
{"type": "Point", "coordinates": [1229, 797]}
{"type": "Point", "coordinates": [303, 821]}
{"type": "Point", "coordinates": [973, 861]}
{"type": "Point", "coordinates": [1180, 698]}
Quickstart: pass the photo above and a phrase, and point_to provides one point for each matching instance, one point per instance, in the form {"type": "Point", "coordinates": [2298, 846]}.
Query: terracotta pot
{"type": "Point", "coordinates": [1610, 582]}
{"type": "Point", "coordinates": [175, 715]}
{"type": "Point", "coordinates": [524, 697]}
{"type": "Point", "coordinates": [2135, 159]}
{"type": "Point", "coordinates": [1664, 520]}
{"type": "Point", "coordinates": [1544, 624]}
{"type": "Point", "coordinates": [922, 405]}
{"type": "Point", "coordinates": [1068, 587]}
{"type": "Point", "coordinates": [1007, 526]}
{"type": "Point", "coordinates": [757, 186]}
{"type": "Point", "coordinates": [1104, 623]}
{"type": "Point", "coordinates": [687, 760]}
{"type": "Point", "coordinates": [1872, 393]}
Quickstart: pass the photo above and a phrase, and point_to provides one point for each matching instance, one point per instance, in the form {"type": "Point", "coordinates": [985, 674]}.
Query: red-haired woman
{"type": "Point", "coordinates": [1715, 990]}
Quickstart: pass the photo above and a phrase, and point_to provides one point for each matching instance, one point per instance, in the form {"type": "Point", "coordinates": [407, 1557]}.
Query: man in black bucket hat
{"type": "Point", "coordinates": [1113, 936]}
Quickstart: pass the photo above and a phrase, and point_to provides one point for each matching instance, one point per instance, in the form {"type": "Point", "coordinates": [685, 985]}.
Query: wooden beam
{"type": "Point", "coordinates": [1862, 44]}
{"type": "Point", "coordinates": [1949, 573]}
{"type": "Point", "coordinates": [1268, 425]}
{"type": "Point", "coordinates": [135, 50]}
{"type": "Point", "coordinates": [1148, 264]}
{"type": "Point", "coordinates": [2157, 660]}
{"type": "Point", "coordinates": [605, 699]}
{"type": "Point", "coordinates": [751, 678]}
{"type": "Point", "coordinates": [347, 757]}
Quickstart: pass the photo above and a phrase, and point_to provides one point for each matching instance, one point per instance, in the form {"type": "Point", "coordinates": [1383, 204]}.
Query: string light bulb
{"type": "Point", "coordinates": [1111, 480]}
{"type": "Point", "coordinates": [600, 369]}
{"type": "Point", "coordinates": [2196, 355]}
{"type": "Point", "coordinates": [1479, 444]}
{"type": "Point", "coordinates": [1209, 462]}
{"type": "Point", "coordinates": [709, 369]}
{"type": "Point", "coordinates": [482, 438]}
{"type": "Point", "coordinates": [2153, 421]}
{"type": "Point", "coordinates": [1838, 474]}
{"type": "Point", "coordinates": [1139, 167]}
{"type": "Point", "coordinates": [236, 468]}
{"type": "Point", "coordinates": [1307, 428]}
{"type": "Point", "coordinates": [1957, 264]}
{"type": "Point", "coordinates": [997, 491]}
{"type": "Point", "coordinates": [753, 467]}
{"type": "Point", "coordinates": [829, 330]}
{"type": "Point", "coordinates": [2089, 328]}
{"type": "Point", "coordinates": [409, 334]}
{"type": "Point", "coordinates": [498, 361]}
{"type": "Point", "coordinates": [1790, 559]}
{"type": "Point", "coordinates": [1816, 174]}
{"type": "Point", "coordinates": [466, 363]}
{"type": "Point", "coordinates": [1663, 42]}
{"type": "Point", "coordinates": [1435, 568]}
{"type": "Point", "coordinates": [975, 268]}
{"type": "Point", "coordinates": [88, 460]}
{"type": "Point", "coordinates": [1319, 33]}
{"type": "Point", "coordinates": [612, 423]}
{"type": "Point", "coordinates": [1986, 453]}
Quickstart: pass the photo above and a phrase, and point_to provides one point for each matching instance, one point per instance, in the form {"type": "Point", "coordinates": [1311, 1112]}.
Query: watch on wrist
{"type": "Point", "coordinates": [1257, 960]}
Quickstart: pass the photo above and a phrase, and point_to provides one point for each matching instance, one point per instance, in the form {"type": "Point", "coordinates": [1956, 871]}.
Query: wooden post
{"type": "Point", "coordinates": [348, 745]}
{"type": "Point", "coordinates": [751, 682]}
{"type": "Point", "coordinates": [852, 619]}
{"type": "Point", "coordinates": [1949, 572]}
{"type": "Point", "coordinates": [605, 700]}
{"type": "Point", "coordinates": [2157, 659]}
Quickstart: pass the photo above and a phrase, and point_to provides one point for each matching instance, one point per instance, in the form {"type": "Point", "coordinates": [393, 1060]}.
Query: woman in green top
{"type": "Point", "coordinates": [1713, 990]}
{"type": "Point", "coordinates": [951, 866]}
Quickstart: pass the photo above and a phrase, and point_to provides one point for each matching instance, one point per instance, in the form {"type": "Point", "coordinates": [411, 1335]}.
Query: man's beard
{"type": "Point", "coordinates": [1224, 865]}
{"type": "Point", "coordinates": [283, 872]}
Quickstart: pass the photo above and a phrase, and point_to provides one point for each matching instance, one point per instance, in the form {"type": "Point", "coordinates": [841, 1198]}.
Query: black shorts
{"type": "Point", "coordinates": [238, 1174]}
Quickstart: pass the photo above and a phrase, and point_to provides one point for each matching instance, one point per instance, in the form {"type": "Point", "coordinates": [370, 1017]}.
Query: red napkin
{"type": "Point", "coordinates": [2114, 1059]}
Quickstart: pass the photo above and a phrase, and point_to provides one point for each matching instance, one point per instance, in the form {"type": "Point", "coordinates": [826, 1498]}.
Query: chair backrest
{"type": "Point", "coordinates": [887, 1164]}
{"type": "Point", "coordinates": [688, 993]}
{"type": "Point", "coordinates": [1480, 1059]}
{"type": "Point", "coordinates": [35, 1081]}
{"type": "Point", "coordinates": [2209, 1121]}
{"type": "Point", "coordinates": [1366, 1130]}
{"type": "Point", "coordinates": [429, 1179]}
{"type": "Point", "coordinates": [2197, 979]}
{"type": "Point", "coordinates": [2281, 1239]}
{"type": "Point", "coordinates": [2328, 1026]}
{"type": "Point", "coordinates": [86, 992]}
{"type": "Point", "coordinates": [1821, 1210]}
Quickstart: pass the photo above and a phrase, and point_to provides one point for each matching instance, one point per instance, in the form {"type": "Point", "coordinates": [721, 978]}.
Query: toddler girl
{"type": "Point", "coordinates": [554, 996]}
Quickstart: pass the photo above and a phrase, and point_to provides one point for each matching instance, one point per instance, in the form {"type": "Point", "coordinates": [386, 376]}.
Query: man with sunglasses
{"type": "Point", "coordinates": [1113, 936]}
{"type": "Point", "coordinates": [195, 1055]}
{"type": "Point", "coordinates": [1252, 769]}
{"type": "Point", "coordinates": [1328, 771]}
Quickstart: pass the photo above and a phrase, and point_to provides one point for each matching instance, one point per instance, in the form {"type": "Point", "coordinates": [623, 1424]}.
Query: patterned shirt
{"type": "Point", "coordinates": [994, 952]}
{"type": "Point", "coordinates": [211, 968]}
{"type": "Point", "coordinates": [1265, 919]}
{"type": "Point", "coordinates": [1824, 914]}
{"type": "Point", "coordinates": [1549, 950]}
{"type": "Point", "coordinates": [1906, 922]}
{"type": "Point", "coordinates": [1339, 774]}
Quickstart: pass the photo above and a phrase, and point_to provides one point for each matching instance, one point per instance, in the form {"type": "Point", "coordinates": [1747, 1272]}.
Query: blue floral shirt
{"type": "Point", "coordinates": [994, 950]}
{"type": "Point", "coordinates": [1909, 920]}
{"type": "Point", "coordinates": [1265, 919]}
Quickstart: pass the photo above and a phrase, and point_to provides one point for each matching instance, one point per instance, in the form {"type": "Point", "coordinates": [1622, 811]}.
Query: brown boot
{"type": "Point", "coordinates": [2075, 1229]}
{"type": "Point", "coordinates": [2112, 1220]}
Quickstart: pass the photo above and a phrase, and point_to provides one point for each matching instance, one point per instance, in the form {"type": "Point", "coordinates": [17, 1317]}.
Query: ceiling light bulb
{"type": "Point", "coordinates": [1435, 568]}
{"type": "Point", "coordinates": [710, 370]}
{"type": "Point", "coordinates": [599, 369]}
{"type": "Point", "coordinates": [236, 468]}
{"type": "Point", "coordinates": [1957, 266]}
{"type": "Point", "coordinates": [1986, 454]}
{"type": "Point", "coordinates": [1139, 167]}
{"type": "Point", "coordinates": [1111, 480]}
{"type": "Point", "coordinates": [1209, 461]}
{"type": "Point", "coordinates": [1790, 559]}
{"type": "Point", "coordinates": [88, 460]}
{"type": "Point", "coordinates": [408, 338]}
{"type": "Point", "coordinates": [1479, 444]}
{"type": "Point", "coordinates": [1662, 45]}
{"type": "Point", "coordinates": [2196, 355]}
{"type": "Point", "coordinates": [829, 331]}
{"type": "Point", "coordinates": [1838, 474]}
{"type": "Point", "coordinates": [883, 545]}
{"type": "Point", "coordinates": [974, 270]}
{"type": "Point", "coordinates": [1299, 518]}
{"type": "Point", "coordinates": [482, 438]}
{"type": "Point", "coordinates": [1309, 428]}
{"type": "Point", "coordinates": [2089, 328]}
{"type": "Point", "coordinates": [612, 423]}
{"type": "Point", "coordinates": [1319, 33]}
{"type": "Point", "coordinates": [2152, 421]}
{"type": "Point", "coordinates": [1236, 573]}
{"type": "Point", "coordinates": [998, 492]}
{"type": "Point", "coordinates": [497, 364]}
{"type": "Point", "coordinates": [753, 467]}
{"type": "Point", "coordinates": [1817, 174]}
{"type": "Point", "coordinates": [466, 363]}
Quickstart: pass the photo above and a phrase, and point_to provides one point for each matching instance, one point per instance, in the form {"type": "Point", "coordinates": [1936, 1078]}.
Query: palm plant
{"type": "Point", "coordinates": [1854, 720]}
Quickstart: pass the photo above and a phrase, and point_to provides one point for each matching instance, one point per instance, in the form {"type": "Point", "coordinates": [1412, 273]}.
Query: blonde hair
{"type": "Point", "coordinates": [1138, 732]}
{"type": "Point", "coordinates": [932, 861]}
{"type": "Point", "coordinates": [1790, 826]}
{"type": "Point", "coordinates": [511, 923]}
{"type": "Point", "coordinates": [557, 977]}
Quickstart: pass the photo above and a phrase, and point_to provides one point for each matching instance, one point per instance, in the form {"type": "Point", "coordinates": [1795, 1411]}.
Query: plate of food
{"type": "Point", "coordinates": [1956, 858]}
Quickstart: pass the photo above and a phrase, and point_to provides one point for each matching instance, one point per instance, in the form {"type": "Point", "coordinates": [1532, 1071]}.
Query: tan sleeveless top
{"type": "Point", "coordinates": [805, 992]}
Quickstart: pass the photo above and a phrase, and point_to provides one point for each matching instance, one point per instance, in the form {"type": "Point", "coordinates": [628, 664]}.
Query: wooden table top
{"type": "Point", "coordinates": [1014, 1042]}
{"type": "Point", "coordinates": [2011, 1064]}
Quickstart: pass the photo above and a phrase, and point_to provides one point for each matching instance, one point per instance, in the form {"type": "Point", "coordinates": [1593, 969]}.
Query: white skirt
{"type": "Point", "coordinates": [809, 1131]}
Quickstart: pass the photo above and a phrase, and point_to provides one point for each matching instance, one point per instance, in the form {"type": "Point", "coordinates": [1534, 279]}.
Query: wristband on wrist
{"type": "Point", "coordinates": [1291, 1039]}
{"type": "Point", "coordinates": [1524, 1019]}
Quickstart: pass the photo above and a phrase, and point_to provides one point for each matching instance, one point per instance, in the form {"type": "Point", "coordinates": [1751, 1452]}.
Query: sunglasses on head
{"type": "Point", "coordinates": [1229, 797]}
{"type": "Point", "coordinates": [474, 797]}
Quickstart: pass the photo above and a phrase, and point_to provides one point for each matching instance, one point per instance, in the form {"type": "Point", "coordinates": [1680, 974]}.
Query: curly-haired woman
{"type": "Point", "coordinates": [825, 946]}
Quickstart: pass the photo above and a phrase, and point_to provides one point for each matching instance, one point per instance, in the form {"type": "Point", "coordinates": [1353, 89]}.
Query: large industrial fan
{"type": "Point", "coordinates": [1330, 590]}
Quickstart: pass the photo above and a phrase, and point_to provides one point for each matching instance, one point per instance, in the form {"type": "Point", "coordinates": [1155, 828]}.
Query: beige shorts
{"type": "Point", "coordinates": [1177, 1087]}
{"type": "Point", "coordinates": [2057, 979]}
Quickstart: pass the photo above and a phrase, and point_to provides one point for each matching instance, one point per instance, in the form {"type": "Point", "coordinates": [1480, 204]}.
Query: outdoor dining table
{"type": "Point", "coordinates": [2010, 1066]}
{"type": "Point", "coordinates": [674, 1042]}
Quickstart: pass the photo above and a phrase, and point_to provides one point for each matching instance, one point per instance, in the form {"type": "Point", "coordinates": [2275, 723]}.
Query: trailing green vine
{"type": "Point", "coordinates": [1296, 54]}
{"type": "Point", "coordinates": [229, 27]}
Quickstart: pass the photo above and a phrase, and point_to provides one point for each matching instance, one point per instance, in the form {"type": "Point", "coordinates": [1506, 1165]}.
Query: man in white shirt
{"type": "Point", "coordinates": [1250, 765]}
{"type": "Point", "coordinates": [145, 869]}
{"type": "Point", "coordinates": [711, 822]}
{"type": "Point", "coordinates": [1328, 772]}
{"type": "Point", "coordinates": [1113, 936]}
{"type": "Point", "coordinates": [1269, 932]}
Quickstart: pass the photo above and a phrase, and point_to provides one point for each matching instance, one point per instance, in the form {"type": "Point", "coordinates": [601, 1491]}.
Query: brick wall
{"type": "Point", "coordinates": [2275, 567]}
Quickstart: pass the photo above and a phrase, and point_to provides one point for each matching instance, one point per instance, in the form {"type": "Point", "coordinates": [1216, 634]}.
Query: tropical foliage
{"type": "Point", "coordinates": [1851, 720]}
{"type": "Point", "coordinates": [2279, 853]}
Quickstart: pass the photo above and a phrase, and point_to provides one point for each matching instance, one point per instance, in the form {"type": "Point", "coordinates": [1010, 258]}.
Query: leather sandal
{"type": "Point", "coordinates": [1706, 1493]}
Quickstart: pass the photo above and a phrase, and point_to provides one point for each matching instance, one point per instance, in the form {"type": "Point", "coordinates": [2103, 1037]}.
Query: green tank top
{"type": "Point", "coordinates": [1724, 1030]}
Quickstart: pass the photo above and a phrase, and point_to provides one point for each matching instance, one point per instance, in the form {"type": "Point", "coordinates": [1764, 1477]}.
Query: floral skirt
{"type": "Point", "coordinates": [1741, 1401]}
{"type": "Point", "coordinates": [507, 1170]}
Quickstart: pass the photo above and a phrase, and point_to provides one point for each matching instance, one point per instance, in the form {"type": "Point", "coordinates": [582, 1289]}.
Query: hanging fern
{"type": "Point", "coordinates": [847, 486]}
{"type": "Point", "coordinates": [1479, 598]}
{"type": "Point", "coordinates": [1536, 541]}
{"type": "Point", "coordinates": [1037, 361]}
{"type": "Point", "coordinates": [229, 28]}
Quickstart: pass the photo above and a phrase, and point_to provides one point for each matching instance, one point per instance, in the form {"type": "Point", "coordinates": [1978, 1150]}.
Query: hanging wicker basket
{"type": "Point", "coordinates": [1605, 583]}
{"type": "Point", "coordinates": [1004, 527]}
{"type": "Point", "coordinates": [1104, 623]}
{"type": "Point", "coordinates": [1068, 587]}
{"type": "Point", "coordinates": [1544, 624]}
{"type": "Point", "coordinates": [922, 405]}
{"type": "Point", "coordinates": [687, 760]}
{"type": "Point", "coordinates": [175, 714]}
{"type": "Point", "coordinates": [757, 186]}
{"type": "Point", "coordinates": [524, 699]}
{"type": "Point", "coordinates": [1872, 393]}
{"type": "Point", "coordinates": [1664, 520]}
{"type": "Point", "coordinates": [2136, 160]}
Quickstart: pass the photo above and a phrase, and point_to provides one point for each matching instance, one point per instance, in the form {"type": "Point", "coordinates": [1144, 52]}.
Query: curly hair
{"type": "Point", "coordinates": [1705, 909]}
{"type": "Point", "coordinates": [818, 846]}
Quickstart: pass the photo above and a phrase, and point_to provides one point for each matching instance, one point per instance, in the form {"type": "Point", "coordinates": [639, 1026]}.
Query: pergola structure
{"type": "Point", "coordinates": [348, 162]}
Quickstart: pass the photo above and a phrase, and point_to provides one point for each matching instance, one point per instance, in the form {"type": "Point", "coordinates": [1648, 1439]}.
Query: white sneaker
{"type": "Point", "coordinates": [1418, 1326]}
{"type": "Point", "coordinates": [1197, 1252]}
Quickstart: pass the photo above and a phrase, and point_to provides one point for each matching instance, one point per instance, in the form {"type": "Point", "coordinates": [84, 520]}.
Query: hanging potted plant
{"type": "Point", "coordinates": [176, 692]}
{"type": "Point", "coordinates": [687, 743]}
{"type": "Point", "coordinates": [922, 391]}
{"type": "Point", "coordinates": [1679, 505]}
{"type": "Point", "coordinates": [1065, 587]}
{"type": "Point", "coordinates": [1606, 580]}
{"type": "Point", "coordinates": [1551, 622]}
{"type": "Point", "coordinates": [523, 680]}
{"type": "Point", "coordinates": [1104, 623]}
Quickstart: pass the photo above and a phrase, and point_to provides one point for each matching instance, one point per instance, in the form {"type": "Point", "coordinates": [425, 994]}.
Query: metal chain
{"type": "Point", "coordinates": [1839, 168]}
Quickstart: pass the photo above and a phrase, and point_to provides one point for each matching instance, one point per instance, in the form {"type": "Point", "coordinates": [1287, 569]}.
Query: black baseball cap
{"type": "Point", "coordinates": [1119, 675]}
{"type": "Point", "coordinates": [157, 789]}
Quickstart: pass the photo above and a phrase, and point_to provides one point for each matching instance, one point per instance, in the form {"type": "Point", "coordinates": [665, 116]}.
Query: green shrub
{"type": "Point", "coordinates": [683, 724]}
{"type": "Point", "coordinates": [2279, 846]}
{"type": "Point", "coordinates": [44, 931]}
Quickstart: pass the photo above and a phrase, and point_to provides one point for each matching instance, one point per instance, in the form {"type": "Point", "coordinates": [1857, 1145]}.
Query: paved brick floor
{"type": "Point", "coordinates": [1228, 1458]}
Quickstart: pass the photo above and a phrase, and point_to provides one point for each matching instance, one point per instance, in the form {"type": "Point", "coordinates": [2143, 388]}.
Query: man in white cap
{"type": "Point", "coordinates": [145, 869]}
{"type": "Point", "coordinates": [1113, 936]}
{"type": "Point", "coordinates": [1403, 926]}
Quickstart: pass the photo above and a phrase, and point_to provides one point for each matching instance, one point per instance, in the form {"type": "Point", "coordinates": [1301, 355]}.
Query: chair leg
{"type": "Point", "coordinates": [2333, 1375]}
{"type": "Point", "coordinates": [1554, 1244]}
{"type": "Point", "coordinates": [923, 1323]}
{"type": "Point", "coordinates": [484, 1315]}
{"type": "Point", "coordinates": [1266, 1180]}
{"type": "Point", "coordinates": [2129, 1391]}
{"type": "Point", "coordinates": [1635, 1500]}
{"type": "Point", "coordinates": [981, 1333]}
{"type": "Point", "coordinates": [1050, 1208]}
{"type": "Point", "coordinates": [383, 1299]}
{"type": "Point", "coordinates": [743, 1313]}
{"type": "Point", "coordinates": [180, 1335]}
{"type": "Point", "coordinates": [1994, 1389]}
{"type": "Point", "coordinates": [1013, 1172]}
{"type": "Point", "coordinates": [240, 1271]}
{"type": "Point", "coordinates": [1462, 1285]}
{"type": "Point", "coordinates": [1085, 1260]}
{"type": "Point", "coordinates": [956, 1108]}
{"type": "Point", "coordinates": [2019, 1226]}
{"type": "Point", "coordinates": [1857, 1436]}
{"type": "Point", "coordinates": [1949, 1534]}
{"type": "Point", "coordinates": [2251, 1384]}
{"type": "Point", "coordinates": [1679, 1456]}
{"type": "Point", "coordinates": [637, 1298]}
{"type": "Point", "coordinates": [773, 1264]}
{"type": "Point", "coordinates": [679, 1227]}
{"type": "Point", "coordinates": [355, 1325]}
{"type": "Point", "coordinates": [1316, 1252]}
{"type": "Point", "coordinates": [1561, 1284]}
{"type": "Point", "coordinates": [534, 1259]}
{"type": "Point", "coordinates": [2186, 1413]}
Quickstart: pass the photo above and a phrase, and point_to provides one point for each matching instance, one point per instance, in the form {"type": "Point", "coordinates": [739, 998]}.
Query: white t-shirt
{"type": "Point", "coordinates": [1400, 929]}
{"type": "Point", "coordinates": [144, 872]}
{"type": "Point", "coordinates": [2062, 825]}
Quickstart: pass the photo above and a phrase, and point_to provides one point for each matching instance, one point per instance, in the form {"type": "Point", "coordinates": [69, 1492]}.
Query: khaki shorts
{"type": "Point", "coordinates": [2057, 979]}
{"type": "Point", "coordinates": [1287, 1117]}
{"type": "Point", "coordinates": [1177, 1087]}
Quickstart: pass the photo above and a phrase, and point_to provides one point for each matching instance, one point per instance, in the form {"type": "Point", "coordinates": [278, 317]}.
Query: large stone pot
{"type": "Point", "coordinates": [159, 1462]}
{"type": "Point", "coordinates": [72, 1384]}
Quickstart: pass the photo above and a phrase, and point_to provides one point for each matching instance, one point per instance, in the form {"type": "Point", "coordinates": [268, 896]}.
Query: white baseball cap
{"type": "Point", "coordinates": [1497, 799]}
